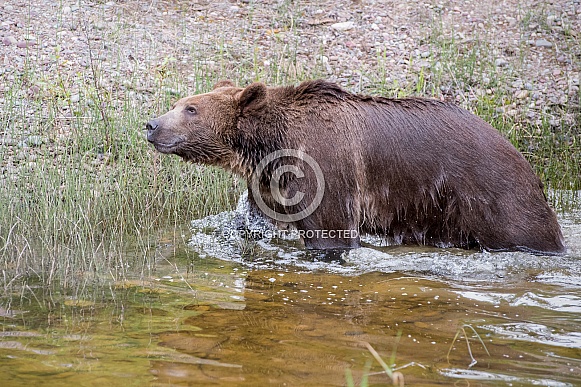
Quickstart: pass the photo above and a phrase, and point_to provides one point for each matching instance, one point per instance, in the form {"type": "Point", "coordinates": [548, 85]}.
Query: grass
{"type": "Point", "coordinates": [74, 199]}
{"type": "Point", "coordinates": [79, 181]}
{"type": "Point", "coordinates": [461, 332]}
{"type": "Point", "coordinates": [395, 377]}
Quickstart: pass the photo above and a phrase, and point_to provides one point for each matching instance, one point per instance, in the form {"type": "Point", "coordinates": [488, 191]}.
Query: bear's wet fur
{"type": "Point", "coordinates": [412, 170]}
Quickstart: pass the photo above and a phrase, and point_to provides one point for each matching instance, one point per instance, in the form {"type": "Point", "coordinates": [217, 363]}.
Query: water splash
{"type": "Point", "coordinates": [245, 237]}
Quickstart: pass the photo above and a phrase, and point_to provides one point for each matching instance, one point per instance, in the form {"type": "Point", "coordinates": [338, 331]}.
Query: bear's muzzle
{"type": "Point", "coordinates": [151, 127]}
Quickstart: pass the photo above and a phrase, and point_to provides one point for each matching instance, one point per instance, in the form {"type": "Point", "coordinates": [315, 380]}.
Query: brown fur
{"type": "Point", "coordinates": [416, 171]}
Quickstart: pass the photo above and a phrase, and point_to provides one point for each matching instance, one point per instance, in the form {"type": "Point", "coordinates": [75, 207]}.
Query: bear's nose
{"type": "Point", "coordinates": [151, 126]}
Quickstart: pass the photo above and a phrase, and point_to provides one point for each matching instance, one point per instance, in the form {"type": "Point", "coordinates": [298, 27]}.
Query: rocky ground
{"type": "Point", "coordinates": [524, 56]}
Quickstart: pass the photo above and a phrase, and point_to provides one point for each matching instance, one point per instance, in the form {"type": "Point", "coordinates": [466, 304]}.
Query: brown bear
{"type": "Point", "coordinates": [335, 164]}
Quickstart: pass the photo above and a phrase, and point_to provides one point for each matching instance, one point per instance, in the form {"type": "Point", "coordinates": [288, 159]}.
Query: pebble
{"type": "Point", "coordinates": [24, 44]}
{"type": "Point", "coordinates": [345, 26]}
{"type": "Point", "coordinates": [9, 41]}
{"type": "Point", "coordinates": [522, 94]}
{"type": "Point", "coordinates": [33, 91]}
{"type": "Point", "coordinates": [501, 62]}
{"type": "Point", "coordinates": [518, 84]}
{"type": "Point", "coordinates": [423, 63]}
{"type": "Point", "coordinates": [543, 43]}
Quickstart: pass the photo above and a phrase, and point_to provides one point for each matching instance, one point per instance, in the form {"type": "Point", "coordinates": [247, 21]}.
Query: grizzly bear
{"type": "Point", "coordinates": [335, 165]}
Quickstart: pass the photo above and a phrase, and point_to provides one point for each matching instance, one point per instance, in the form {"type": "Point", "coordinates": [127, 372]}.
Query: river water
{"type": "Point", "coordinates": [223, 310]}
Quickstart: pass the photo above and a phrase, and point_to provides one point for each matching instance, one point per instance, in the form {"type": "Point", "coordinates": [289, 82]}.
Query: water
{"type": "Point", "coordinates": [228, 311]}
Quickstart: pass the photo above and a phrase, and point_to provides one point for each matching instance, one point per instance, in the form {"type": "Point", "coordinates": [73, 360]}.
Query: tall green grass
{"type": "Point", "coordinates": [69, 207]}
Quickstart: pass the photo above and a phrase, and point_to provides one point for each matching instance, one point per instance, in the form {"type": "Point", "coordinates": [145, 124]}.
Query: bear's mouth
{"type": "Point", "coordinates": [167, 147]}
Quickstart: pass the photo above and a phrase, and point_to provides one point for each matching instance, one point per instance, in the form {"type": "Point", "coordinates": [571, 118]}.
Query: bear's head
{"type": "Point", "coordinates": [203, 127]}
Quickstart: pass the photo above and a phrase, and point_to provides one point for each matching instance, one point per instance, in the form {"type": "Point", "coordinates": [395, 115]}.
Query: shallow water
{"type": "Point", "coordinates": [228, 311]}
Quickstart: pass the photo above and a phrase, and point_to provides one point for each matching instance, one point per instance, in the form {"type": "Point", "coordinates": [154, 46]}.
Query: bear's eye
{"type": "Point", "coordinates": [191, 109]}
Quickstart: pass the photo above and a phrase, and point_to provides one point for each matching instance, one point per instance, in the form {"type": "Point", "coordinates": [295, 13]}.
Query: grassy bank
{"type": "Point", "coordinates": [79, 180]}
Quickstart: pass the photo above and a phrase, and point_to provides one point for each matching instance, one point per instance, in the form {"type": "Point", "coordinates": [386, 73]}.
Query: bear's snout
{"type": "Point", "coordinates": [162, 136]}
{"type": "Point", "coordinates": [151, 127]}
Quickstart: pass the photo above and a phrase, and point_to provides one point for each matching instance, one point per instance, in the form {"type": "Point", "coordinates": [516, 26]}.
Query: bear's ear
{"type": "Point", "coordinates": [224, 83]}
{"type": "Point", "coordinates": [252, 97]}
